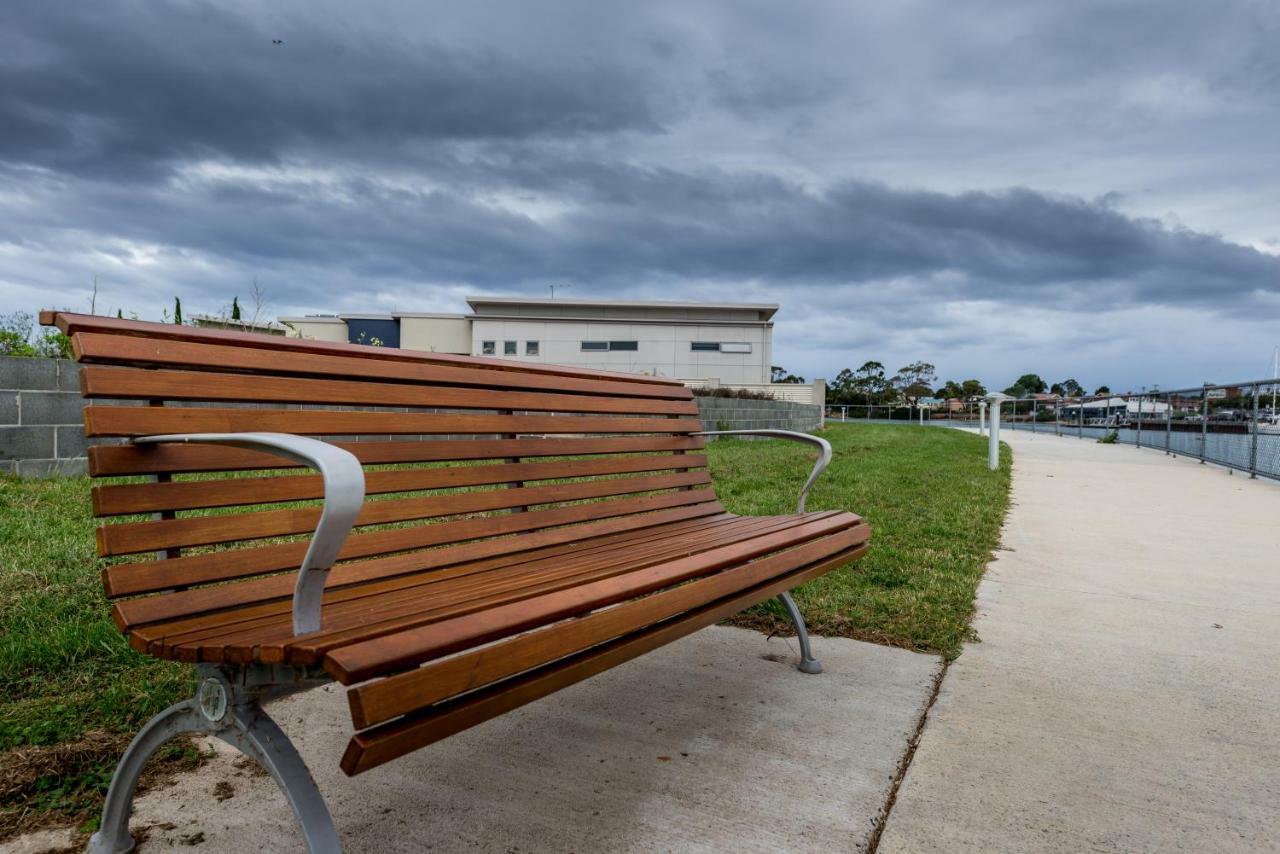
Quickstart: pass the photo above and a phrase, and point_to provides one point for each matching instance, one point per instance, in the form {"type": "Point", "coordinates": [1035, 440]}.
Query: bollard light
{"type": "Point", "coordinates": [982, 417]}
{"type": "Point", "coordinates": [993, 435]}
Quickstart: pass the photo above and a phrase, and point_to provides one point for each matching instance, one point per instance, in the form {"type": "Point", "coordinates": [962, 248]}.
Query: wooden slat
{"type": "Point", "coordinates": [135, 537]}
{"type": "Point", "coordinates": [375, 609]}
{"type": "Point", "coordinates": [362, 611]}
{"type": "Point", "coordinates": [383, 743]}
{"type": "Point", "coordinates": [114, 500]}
{"type": "Point", "coordinates": [445, 570]}
{"type": "Point", "coordinates": [184, 603]}
{"type": "Point", "coordinates": [140, 421]}
{"type": "Point", "coordinates": [401, 645]}
{"type": "Point", "coordinates": [95, 348]}
{"type": "Point", "coordinates": [76, 324]}
{"type": "Point", "coordinates": [98, 381]}
{"type": "Point", "coordinates": [384, 699]}
{"type": "Point", "coordinates": [109, 460]}
{"type": "Point", "coordinates": [128, 579]}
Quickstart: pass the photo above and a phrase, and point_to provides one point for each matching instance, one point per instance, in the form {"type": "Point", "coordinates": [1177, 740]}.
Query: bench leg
{"type": "Point", "coordinates": [808, 664]}
{"type": "Point", "coordinates": [240, 721]}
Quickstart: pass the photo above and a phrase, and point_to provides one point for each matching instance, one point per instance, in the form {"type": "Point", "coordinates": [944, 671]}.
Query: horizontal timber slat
{"type": "Point", "coordinates": [183, 603]}
{"type": "Point", "coordinates": [98, 381]}
{"type": "Point", "coordinates": [397, 650]}
{"type": "Point", "coordinates": [446, 570]}
{"type": "Point", "coordinates": [364, 611]}
{"type": "Point", "coordinates": [381, 744]}
{"type": "Point", "coordinates": [112, 500]}
{"type": "Point", "coordinates": [108, 460]}
{"type": "Point", "coordinates": [134, 537]}
{"type": "Point", "coordinates": [383, 699]}
{"type": "Point", "coordinates": [242, 563]}
{"type": "Point", "coordinates": [148, 421]}
{"type": "Point", "coordinates": [75, 324]}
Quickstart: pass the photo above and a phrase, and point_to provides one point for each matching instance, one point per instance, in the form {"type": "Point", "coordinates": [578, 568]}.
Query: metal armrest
{"type": "Point", "coordinates": [343, 497]}
{"type": "Point", "coordinates": [824, 457]}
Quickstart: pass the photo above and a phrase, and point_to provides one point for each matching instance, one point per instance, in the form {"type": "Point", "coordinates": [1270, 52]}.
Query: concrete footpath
{"type": "Point", "coordinates": [714, 743]}
{"type": "Point", "coordinates": [1124, 696]}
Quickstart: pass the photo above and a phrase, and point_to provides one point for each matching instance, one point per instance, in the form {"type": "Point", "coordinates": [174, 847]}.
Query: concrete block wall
{"type": "Point", "coordinates": [41, 427]}
{"type": "Point", "coordinates": [729, 413]}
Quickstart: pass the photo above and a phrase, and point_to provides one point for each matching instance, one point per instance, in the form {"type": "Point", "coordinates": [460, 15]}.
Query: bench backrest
{"type": "Point", "coordinates": [551, 448]}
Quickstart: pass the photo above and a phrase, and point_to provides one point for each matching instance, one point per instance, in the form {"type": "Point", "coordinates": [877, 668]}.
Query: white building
{"type": "Point", "coordinates": [703, 344]}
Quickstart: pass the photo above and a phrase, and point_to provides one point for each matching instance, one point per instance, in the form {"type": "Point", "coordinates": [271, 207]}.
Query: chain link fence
{"type": "Point", "coordinates": [1236, 425]}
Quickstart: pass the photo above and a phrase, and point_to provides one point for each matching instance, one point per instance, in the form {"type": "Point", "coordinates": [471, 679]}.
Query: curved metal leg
{"type": "Point", "coordinates": [236, 718]}
{"type": "Point", "coordinates": [113, 834]}
{"type": "Point", "coordinates": [808, 664]}
{"type": "Point", "coordinates": [255, 734]}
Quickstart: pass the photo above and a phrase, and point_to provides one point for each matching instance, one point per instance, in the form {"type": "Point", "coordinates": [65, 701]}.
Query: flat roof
{"type": "Point", "coordinates": [768, 309]}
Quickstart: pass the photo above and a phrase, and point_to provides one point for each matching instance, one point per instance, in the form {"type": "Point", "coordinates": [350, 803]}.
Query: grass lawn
{"type": "Point", "coordinates": [72, 693]}
{"type": "Point", "coordinates": [935, 513]}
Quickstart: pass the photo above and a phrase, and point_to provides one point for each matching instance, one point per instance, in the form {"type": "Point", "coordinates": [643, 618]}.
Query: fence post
{"type": "Point", "coordinates": [982, 417]}
{"type": "Point", "coordinates": [1137, 439]}
{"type": "Point", "coordinates": [993, 436]}
{"type": "Point", "coordinates": [1033, 415]}
{"type": "Point", "coordinates": [1204, 423]}
{"type": "Point", "coordinates": [1253, 440]}
{"type": "Point", "coordinates": [1080, 418]}
{"type": "Point", "coordinates": [1168, 423]}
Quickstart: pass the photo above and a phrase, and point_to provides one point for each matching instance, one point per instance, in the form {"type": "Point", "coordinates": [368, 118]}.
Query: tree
{"type": "Point", "coordinates": [972, 389]}
{"type": "Point", "coordinates": [19, 336]}
{"type": "Point", "coordinates": [869, 383]}
{"type": "Point", "coordinates": [1071, 388]}
{"type": "Point", "coordinates": [779, 375]}
{"type": "Point", "coordinates": [1102, 389]}
{"type": "Point", "coordinates": [952, 390]}
{"type": "Point", "coordinates": [177, 311]}
{"type": "Point", "coordinates": [1031, 383]}
{"type": "Point", "coordinates": [235, 308]}
{"type": "Point", "coordinates": [914, 381]}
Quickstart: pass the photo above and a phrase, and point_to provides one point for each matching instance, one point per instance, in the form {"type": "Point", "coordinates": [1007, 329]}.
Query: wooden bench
{"type": "Point", "coordinates": [517, 529]}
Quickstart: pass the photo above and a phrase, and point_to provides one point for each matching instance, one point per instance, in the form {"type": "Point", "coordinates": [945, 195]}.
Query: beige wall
{"type": "Point", "coordinates": [436, 334]}
{"type": "Point", "coordinates": [318, 328]}
{"type": "Point", "coordinates": [664, 349]}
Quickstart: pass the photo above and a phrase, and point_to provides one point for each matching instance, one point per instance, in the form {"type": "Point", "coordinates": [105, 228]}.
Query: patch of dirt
{"type": "Point", "coordinates": [64, 784]}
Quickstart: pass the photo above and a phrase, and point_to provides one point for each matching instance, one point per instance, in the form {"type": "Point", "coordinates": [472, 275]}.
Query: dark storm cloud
{"type": "Point", "coordinates": [122, 91]}
{"type": "Point", "coordinates": [628, 224]}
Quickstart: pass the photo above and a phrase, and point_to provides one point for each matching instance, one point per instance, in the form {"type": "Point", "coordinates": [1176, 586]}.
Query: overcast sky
{"type": "Point", "coordinates": [1075, 189]}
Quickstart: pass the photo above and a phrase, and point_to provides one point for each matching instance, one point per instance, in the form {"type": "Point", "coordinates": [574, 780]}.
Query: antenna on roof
{"type": "Point", "coordinates": [553, 289]}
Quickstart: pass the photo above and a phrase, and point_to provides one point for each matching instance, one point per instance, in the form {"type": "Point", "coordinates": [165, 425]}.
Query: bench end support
{"type": "Point", "coordinates": [226, 706]}
{"type": "Point", "coordinates": [808, 664]}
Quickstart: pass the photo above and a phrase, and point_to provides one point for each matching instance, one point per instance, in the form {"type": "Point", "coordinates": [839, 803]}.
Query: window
{"type": "Point", "coordinates": [508, 348]}
{"type": "Point", "coordinates": [486, 348]}
{"type": "Point", "coordinates": [606, 346]}
{"type": "Point", "coordinates": [531, 348]}
{"type": "Point", "coordinates": [720, 347]}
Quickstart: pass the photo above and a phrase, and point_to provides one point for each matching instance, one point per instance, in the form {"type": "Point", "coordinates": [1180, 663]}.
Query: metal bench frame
{"type": "Point", "coordinates": [229, 700]}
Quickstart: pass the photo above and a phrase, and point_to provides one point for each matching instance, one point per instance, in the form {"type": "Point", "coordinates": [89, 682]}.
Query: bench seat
{"type": "Point", "coordinates": [447, 537]}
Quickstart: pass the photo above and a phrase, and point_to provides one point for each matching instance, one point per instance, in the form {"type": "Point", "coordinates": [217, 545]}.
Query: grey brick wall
{"type": "Point", "coordinates": [729, 413]}
{"type": "Point", "coordinates": [41, 428]}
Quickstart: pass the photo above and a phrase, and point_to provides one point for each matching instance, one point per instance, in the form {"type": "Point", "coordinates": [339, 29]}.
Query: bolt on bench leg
{"type": "Point", "coordinates": [237, 719]}
{"type": "Point", "coordinates": [808, 664]}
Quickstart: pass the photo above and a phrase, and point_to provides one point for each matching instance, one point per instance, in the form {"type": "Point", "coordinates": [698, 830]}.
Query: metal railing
{"type": "Point", "coordinates": [1236, 425]}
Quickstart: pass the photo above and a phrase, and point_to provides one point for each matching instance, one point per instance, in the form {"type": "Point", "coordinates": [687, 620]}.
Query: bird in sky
{"type": "Point", "coordinates": [277, 41]}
